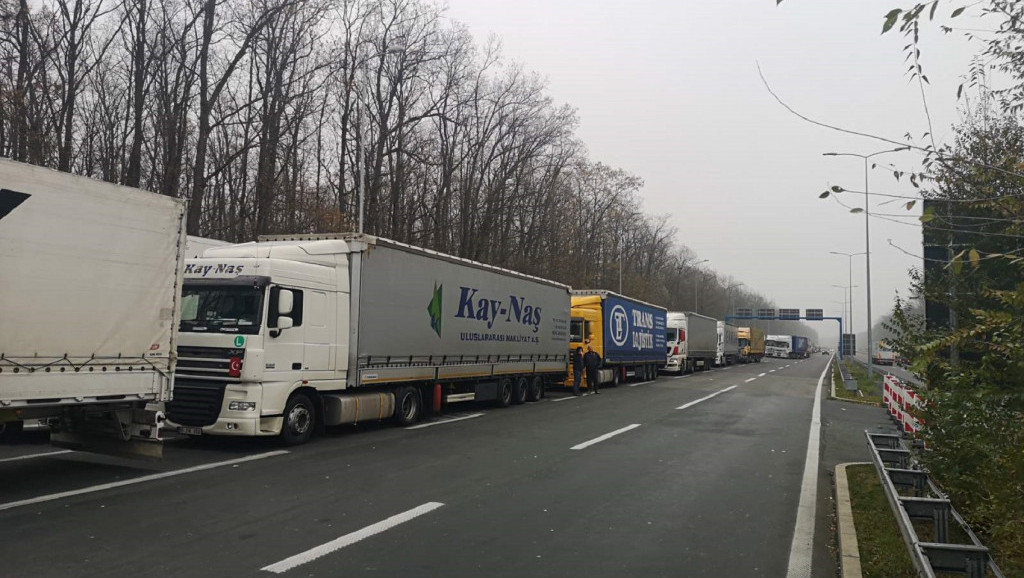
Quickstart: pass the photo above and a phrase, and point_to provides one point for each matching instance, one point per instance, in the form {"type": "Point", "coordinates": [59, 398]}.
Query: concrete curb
{"type": "Point", "coordinates": [849, 554]}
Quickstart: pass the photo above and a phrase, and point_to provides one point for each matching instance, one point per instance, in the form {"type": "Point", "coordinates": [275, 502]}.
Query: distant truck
{"type": "Point", "coordinates": [287, 335]}
{"type": "Point", "coordinates": [728, 351]}
{"type": "Point", "coordinates": [691, 340]}
{"type": "Point", "coordinates": [89, 306]}
{"type": "Point", "coordinates": [780, 346]}
{"type": "Point", "coordinates": [628, 334]}
{"type": "Point", "coordinates": [801, 347]}
{"type": "Point", "coordinates": [883, 354]}
{"type": "Point", "coordinates": [751, 343]}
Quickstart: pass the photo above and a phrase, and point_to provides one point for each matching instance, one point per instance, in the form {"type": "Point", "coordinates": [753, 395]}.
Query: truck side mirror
{"type": "Point", "coordinates": [285, 303]}
{"type": "Point", "coordinates": [284, 322]}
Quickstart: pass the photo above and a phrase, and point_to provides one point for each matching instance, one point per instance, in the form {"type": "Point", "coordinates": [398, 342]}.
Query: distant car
{"type": "Point", "coordinates": [824, 352]}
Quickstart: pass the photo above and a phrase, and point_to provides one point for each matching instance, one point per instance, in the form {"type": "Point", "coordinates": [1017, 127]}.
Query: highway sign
{"type": "Point", "coordinates": [744, 312]}
{"type": "Point", "coordinates": [766, 314]}
{"type": "Point", "coordinates": [815, 314]}
{"type": "Point", "coordinates": [789, 314]}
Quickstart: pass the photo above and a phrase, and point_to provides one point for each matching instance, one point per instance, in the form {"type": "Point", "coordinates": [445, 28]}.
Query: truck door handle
{"type": "Point", "coordinates": [297, 365]}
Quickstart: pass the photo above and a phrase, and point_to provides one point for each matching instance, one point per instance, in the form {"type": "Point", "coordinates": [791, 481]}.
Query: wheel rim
{"type": "Point", "coordinates": [506, 390]}
{"type": "Point", "coordinates": [408, 407]}
{"type": "Point", "coordinates": [299, 419]}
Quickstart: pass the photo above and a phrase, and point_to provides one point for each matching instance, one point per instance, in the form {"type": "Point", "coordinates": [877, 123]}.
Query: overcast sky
{"type": "Point", "coordinates": [669, 90]}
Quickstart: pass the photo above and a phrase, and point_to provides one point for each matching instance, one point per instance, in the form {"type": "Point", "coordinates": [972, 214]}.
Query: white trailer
{"type": "Point", "coordinates": [691, 341]}
{"type": "Point", "coordinates": [728, 344]}
{"type": "Point", "coordinates": [91, 273]}
{"type": "Point", "coordinates": [290, 334]}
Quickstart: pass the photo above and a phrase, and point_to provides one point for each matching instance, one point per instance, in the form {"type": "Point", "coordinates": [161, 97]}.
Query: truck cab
{"type": "Point", "coordinates": [252, 332]}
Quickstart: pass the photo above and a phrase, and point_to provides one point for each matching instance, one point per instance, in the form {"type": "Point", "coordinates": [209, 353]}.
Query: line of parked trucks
{"type": "Point", "coordinates": [117, 325]}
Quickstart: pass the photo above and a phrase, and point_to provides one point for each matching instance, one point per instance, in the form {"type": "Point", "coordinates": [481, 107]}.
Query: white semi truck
{"type": "Point", "coordinates": [728, 351]}
{"type": "Point", "coordinates": [90, 274]}
{"type": "Point", "coordinates": [290, 334]}
{"type": "Point", "coordinates": [780, 346]}
{"type": "Point", "coordinates": [691, 342]}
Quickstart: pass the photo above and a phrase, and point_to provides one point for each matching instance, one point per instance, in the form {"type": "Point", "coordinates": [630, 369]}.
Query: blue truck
{"type": "Point", "coordinates": [801, 347]}
{"type": "Point", "coordinates": [628, 334]}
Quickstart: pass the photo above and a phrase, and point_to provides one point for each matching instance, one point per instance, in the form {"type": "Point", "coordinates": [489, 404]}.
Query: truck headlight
{"type": "Point", "coordinates": [242, 406]}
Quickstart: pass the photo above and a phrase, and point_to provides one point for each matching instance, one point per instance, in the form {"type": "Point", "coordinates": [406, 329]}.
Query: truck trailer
{"type": "Point", "coordinates": [628, 334]}
{"type": "Point", "coordinates": [89, 306]}
{"type": "Point", "coordinates": [290, 334]}
{"type": "Point", "coordinates": [728, 344]}
{"type": "Point", "coordinates": [751, 342]}
{"type": "Point", "coordinates": [801, 348]}
{"type": "Point", "coordinates": [691, 342]}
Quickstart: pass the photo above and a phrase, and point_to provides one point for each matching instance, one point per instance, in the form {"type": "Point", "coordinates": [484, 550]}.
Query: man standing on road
{"type": "Point", "coordinates": [592, 362]}
{"type": "Point", "coordinates": [577, 370]}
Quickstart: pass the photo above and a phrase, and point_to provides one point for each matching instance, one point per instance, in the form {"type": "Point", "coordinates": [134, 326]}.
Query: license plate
{"type": "Point", "coordinates": [192, 431]}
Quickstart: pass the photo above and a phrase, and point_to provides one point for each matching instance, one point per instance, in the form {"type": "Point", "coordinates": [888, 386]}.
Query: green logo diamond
{"type": "Point", "coordinates": [434, 309]}
{"type": "Point", "coordinates": [239, 340]}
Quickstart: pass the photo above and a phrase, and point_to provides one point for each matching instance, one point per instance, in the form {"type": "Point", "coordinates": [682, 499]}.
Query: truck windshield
{"type": "Point", "coordinates": [744, 342]}
{"type": "Point", "coordinates": [225, 309]}
{"type": "Point", "coordinates": [672, 335]}
{"type": "Point", "coordinates": [576, 330]}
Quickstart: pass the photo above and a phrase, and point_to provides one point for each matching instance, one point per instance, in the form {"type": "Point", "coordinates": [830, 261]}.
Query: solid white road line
{"type": "Point", "coordinates": [751, 379]}
{"type": "Point", "coordinates": [139, 480]}
{"type": "Point", "coordinates": [801, 549]}
{"type": "Point", "coordinates": [30, 456]}
{"type": "Point", "coordinates": [680, 376]}
{"type": "Point", "coordinates": [444, 421]}
{"type": "Point", "coordinates": [641, 383]}
{"type": "Point", "coordinates": [600, 439]}
{"type": "Point", "coordinates": [707, 397]}
{"type": "Point", "coordinates": [349, 539]}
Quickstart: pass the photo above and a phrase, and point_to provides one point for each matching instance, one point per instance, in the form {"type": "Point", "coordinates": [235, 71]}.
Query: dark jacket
{"type": "Point", "coordinates": [577, 361]}
{"type": "Point", "coordinates": [591, 360]}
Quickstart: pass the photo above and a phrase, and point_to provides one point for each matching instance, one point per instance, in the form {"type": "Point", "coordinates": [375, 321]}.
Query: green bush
{"type": "Point", "coordinates": [975, 451]}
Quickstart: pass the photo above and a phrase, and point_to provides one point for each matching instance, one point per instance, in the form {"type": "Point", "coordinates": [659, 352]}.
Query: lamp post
{"type": "Point", "coordinates": [850, 257]}
{"type": "Point", "coordinates": [867, 232]}
{"type": "Point", "coordinates": [695, 265]}
{"type": "Point", "coordinates": [732, 305]}
{"type": "Point", "coordinates": [846, 300]}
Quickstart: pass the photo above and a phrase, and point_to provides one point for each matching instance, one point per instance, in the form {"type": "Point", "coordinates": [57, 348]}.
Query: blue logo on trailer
{"type": "Point", "coordinates": [619, 325]}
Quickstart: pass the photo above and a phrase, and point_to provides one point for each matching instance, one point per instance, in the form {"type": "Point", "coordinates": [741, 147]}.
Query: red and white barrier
{"type": "Point", "coordinates": [902, 402]}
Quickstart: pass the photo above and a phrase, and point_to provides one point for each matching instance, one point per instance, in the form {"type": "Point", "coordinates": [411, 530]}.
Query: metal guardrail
{"type": "Point", "coordinates": [898, 469]}
{"type": "Point", "coordinates": [848, 381]}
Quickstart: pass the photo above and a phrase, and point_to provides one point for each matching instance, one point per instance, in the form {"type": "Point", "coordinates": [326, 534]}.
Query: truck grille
{"type": "Point", "coordinates": [207, 362]}
{"type": "Point", "coordinates": [196, 403]}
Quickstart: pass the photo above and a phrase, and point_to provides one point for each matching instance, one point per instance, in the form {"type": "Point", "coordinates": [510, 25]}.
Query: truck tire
{"type": "Point", "coordinates": [536, 391]}
{"type": "Point", "coordinates": [299, 420]}
{"type": "Point", "coordinates": [616, 375]}
{"type": "Point", "coordinates": [408, 405]}
{"type": "Point", "coordinates": [520, 390]}
{"type": "Point", "coordinates": [504, 398]}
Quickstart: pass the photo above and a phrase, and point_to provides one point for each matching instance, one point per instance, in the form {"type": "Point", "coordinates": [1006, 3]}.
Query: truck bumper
{"type": "Point", "coordinates": [673, 366]}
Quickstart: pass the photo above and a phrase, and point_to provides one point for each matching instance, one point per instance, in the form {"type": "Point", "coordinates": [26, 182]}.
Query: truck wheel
{"type": "Point", "coordinates": [519, 392]}
{"type": "Point", "coordinates": [536, 391]}
{"type": "Point", "coordinates": [408, 405]}
{"type": "Point", "coordinates": [504, 392]}
{"type": "Point", "coordinates": [299, 420]}
{"type": "Point", "coordinates": [615, 375]}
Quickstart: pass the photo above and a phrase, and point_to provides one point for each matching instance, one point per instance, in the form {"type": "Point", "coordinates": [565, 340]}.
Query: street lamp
{"type": "Point", "coordinates": [867, 233]}
{"type": "Point", "coordinates": [695, 282]}
{"type": "Point", "coordinates": [732, 305]}
{"type": "Point", "coordinates": [850, 257]}
{"type": "Point", "coordinates": [846, 300]}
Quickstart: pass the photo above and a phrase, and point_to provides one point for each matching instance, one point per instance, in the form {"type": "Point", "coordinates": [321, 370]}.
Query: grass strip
{"type": "Point", "coordinates": [882, 552]}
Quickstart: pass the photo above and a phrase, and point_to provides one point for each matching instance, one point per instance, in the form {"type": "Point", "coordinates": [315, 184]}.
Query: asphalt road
{"type": "Point", "coordinates": [695, 476]}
